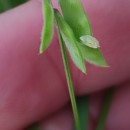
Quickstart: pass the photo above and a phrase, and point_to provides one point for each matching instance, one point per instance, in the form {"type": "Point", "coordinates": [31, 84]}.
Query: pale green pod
{"type": "Point", "coordinates": [47, 31]}
{"type": "Point", "coordinates": [71, 42]}
{"type": "Point", "coordinates": [90, 41]}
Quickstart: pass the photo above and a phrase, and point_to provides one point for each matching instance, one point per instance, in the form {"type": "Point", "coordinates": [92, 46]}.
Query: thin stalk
{"type": "Point", "coordinates": [83, 111]}
{"type": "Point", "coordinates": [105, 109]}
{"type": "Point", "coordinates": [70, 87]}
{"type": "Point", "coordinates": [69, 82]}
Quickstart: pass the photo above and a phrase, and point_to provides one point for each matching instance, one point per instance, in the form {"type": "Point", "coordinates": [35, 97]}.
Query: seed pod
{"type": "Point", "coordinates": [90, 41]}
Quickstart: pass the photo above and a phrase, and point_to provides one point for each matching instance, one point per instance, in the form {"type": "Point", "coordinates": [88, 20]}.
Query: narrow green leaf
{"type": "Point", "coordinates": [71, 42]}
{"type": "Point", "coordinates": [9, 4]}
{"type": "Point", "coordinates": [93, 56]}
{"type": "Point", "coordinates": [75, 16]}
{"type": "Point", "coordinates": [47, 31]}
{"type": "Point", "coordinates": [83, 110]}
{"type": "Point", "coordinates": [68, 78]}
{"type": "Point", "coordinates": [105, 109]}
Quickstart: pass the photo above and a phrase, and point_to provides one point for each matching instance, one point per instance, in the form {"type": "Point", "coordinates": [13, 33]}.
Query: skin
{"type": "Point", "coordinates": [33, 87]}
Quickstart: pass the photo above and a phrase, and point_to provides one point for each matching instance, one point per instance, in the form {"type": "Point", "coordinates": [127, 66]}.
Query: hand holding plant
{"type": "Point", "coordinates": [22, 81]}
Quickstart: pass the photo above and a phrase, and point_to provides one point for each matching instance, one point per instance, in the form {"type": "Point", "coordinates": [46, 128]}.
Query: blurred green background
{"type": "Point", "coordinates": [8, 4]}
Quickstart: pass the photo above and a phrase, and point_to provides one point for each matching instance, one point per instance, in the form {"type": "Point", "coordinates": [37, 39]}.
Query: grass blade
{"type": "Point", "coordinates": [105, 109]}
{"type": "Point", "coordinates": [75, 16]}
{"type": "Point", "coordinates": [83, 110]}
{"type": "Point", "coordinates": [71, 42]}
{"type": "Point", "coordinates": [47, 31]}
{"type": "Point", "coordinates": [93, 56]}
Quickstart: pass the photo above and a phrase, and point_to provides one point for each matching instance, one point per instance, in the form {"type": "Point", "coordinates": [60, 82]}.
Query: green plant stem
{"type": "Point", "coordinates": [105, 109]}
{"type": "Point", "coordinates": [83, 111]}
{"type": "Point", "coordinates": [70, 87]}
{"type": "Point", "coordinates": [70, 84]}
